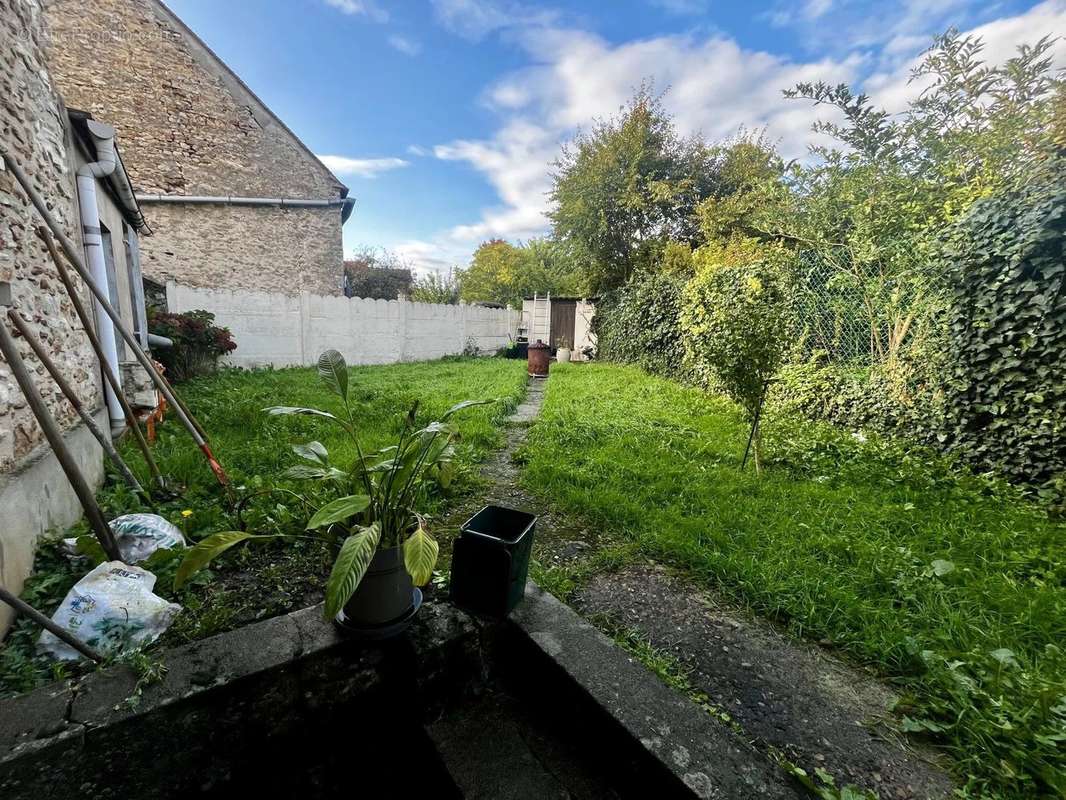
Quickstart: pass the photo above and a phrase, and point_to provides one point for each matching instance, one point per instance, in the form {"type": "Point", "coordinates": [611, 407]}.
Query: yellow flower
{"type": "Point", "coordinates": [187, 513]}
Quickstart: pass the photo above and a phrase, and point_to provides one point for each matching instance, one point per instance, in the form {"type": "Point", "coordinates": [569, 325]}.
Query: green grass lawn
{"type": "Point", "coordinates": [950, 585]}
{"type": "Point", "coordinates": [258, 581]}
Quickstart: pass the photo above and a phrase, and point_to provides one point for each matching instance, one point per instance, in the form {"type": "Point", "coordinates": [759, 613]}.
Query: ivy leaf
{"type": "Point", "coordinates": [420, 556]}
{"type": "Point", "coordinates": [338, 510]}
{"type": "Point", "coordinates": [350, 567]}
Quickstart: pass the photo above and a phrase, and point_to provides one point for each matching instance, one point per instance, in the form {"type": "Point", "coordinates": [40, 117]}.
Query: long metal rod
{"type": "Point", "coordinates": [75, 259]}
{"type": "Point", "coordinates": [109, 374]}
{"type": "Point", "coordinates": [55, 438]}
{"type": "Point", "coordinates": [24, 608]}
{"type": "Point", "coordinates": [68, 391]}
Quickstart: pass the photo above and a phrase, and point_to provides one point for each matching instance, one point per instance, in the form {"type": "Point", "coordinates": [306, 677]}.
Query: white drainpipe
{"type": "Point", "coordinates": [104, 139]}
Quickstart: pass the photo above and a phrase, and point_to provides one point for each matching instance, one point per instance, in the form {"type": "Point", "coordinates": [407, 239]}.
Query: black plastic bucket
{"type": "Point", "coordinates": [490, 560]}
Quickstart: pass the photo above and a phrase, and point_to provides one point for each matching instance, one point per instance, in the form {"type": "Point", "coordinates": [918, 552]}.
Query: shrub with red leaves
{"type": "Point", "coordinates": [198, 343]}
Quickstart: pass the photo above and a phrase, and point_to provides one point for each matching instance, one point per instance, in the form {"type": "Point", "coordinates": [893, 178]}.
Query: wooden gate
{"type": "Point", "coordinates": [564, 315]}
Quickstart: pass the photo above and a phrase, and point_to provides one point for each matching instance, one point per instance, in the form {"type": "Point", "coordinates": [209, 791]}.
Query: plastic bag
{"type": "Point", "coordinates": [112, 609]}
{"type": "Point", "coordinates": [139, 535]}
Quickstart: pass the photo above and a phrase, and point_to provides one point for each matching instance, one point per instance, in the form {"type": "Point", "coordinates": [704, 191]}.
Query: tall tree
{"type": "Point", "coordinates": [627, 187]}
{"type": "Point", "coordinates": [379, 275]}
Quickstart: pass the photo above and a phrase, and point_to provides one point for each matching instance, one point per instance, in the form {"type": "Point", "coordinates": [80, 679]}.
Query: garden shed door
{"type": "Point", "coordinates": [563, 316]}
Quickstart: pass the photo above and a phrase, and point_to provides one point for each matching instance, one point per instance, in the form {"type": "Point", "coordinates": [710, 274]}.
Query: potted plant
{"type": "Point", "coordinates": [562, 352]}
{"type": "Point", "coordinates": [374, 518]}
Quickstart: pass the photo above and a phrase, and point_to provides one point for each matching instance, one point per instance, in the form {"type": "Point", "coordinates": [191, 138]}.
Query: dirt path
{"type": "Point", "coordinates": [788, 698]}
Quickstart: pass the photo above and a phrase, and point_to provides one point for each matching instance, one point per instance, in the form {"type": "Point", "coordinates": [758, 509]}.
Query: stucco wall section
{"type": "Point", "coordinates": [260, 248]}
{"type": "Point", "coordinates": [187, 126]}
{"type": "Point", "coordinates": [34, 495]}
{"type": "Point", "coordinates": [273, 329]}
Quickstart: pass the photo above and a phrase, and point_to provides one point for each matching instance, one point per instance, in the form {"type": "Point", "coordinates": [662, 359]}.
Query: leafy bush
{"type": "Point", "coordinates": [639, 324]}
{"type": "Point", "coordinates": [198, 343]}
{"type": "Point", "coordinates": [738, 324]}
{"type": "Point", "coordinates": [1006, 395]}
{"type": "Point", "coordinates": [903, 397]}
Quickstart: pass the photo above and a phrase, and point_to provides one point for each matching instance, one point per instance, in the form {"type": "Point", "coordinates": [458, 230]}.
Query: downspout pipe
{"type": "Point", "coordinates": [106, 161]}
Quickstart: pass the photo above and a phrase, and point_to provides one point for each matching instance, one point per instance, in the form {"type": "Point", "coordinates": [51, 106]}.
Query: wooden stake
{"type": "Point", "coordinates": [63, 635]}
{"type": "Point", "coordinates": [109, 374]}
{"type": "Point", "coordinates": [76, 261]}
{"type": "Point", "coordinates": [59, 446]}
{"type": "Point", "coordinates": [103, 438]}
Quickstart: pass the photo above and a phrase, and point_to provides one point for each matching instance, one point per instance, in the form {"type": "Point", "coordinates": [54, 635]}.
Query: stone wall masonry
{"type": "Point", "coordinates": [260, 248]}
{"type": "Point", "coordinates": [34, 494]}
{"type": "Point", "coordinates": [188, 126]}
{"type": "Point", "coordinates": [280, 330]}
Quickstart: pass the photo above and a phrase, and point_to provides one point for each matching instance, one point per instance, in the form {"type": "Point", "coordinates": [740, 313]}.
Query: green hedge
{"type": "Point", "coordinates": [1006, 392]}
{"type": "Point", "coordinates": [639, 324]}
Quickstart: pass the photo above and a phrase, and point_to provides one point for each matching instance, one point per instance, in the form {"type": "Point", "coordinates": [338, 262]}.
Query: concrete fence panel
{"type": "Point", "coordinates": [273, 329]}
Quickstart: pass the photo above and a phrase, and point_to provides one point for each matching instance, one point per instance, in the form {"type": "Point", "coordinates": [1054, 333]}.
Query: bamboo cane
{"type": "Point", "coordinates": [68, 391]}
{"type": "Point", "coordinates": [24, 608]}
{"type": "Point", "coordinates": [109, 374]}
{"type": "Point", "coordinates": [76, 261]}
{"type": "Point", "coordinates": [59, 447]}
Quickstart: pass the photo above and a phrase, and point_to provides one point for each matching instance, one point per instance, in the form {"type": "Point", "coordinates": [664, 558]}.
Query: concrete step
{"type": "Point", "coordinates": [666, 744]}
{"type": "Point", "coordinates": [495, 749]}
{"type": "Point", "coordinates": [785, 694]}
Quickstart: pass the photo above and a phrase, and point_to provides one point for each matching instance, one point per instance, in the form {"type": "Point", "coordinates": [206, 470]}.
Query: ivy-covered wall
{"type": "Point", "coordinates": [1006, 391]}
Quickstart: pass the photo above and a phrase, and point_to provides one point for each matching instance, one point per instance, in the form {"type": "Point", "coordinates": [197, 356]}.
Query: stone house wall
{"type": "Point", "coordinates": [262, 248]}
{"type": "Point", "coordinates": [34, 495]}
{"type": "Point", "coordinates": [189, 126]}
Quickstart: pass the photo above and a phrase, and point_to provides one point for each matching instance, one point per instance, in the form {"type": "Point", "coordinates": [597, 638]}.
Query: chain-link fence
{"type": "Point", "coordinates": [860, 314]}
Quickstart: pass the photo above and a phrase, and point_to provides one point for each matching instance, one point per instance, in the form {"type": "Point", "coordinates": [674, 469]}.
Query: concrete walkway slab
{"type": "Point", "coordinates": [784, 694]}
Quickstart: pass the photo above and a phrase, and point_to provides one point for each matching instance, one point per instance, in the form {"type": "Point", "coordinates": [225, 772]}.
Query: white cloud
{"type": "Point", "coordinates": [716, 86]}
{"type": "Point", "coordinates": [685, 7]}
{"type": "Point", "coordinates": [361, 167]}
{"type": "Point", "coordinates": [893, 89]}
{"type": "Point", "coordinates": [409, 47]}
{"type": "Point", "coordinates": [361, 8]}
{"type": "Point", "coordinates": [475, 19]}
{"type": "Point", "coordinates": [438, 255]}
{"type": "Point", "coordinates": [418, 150]}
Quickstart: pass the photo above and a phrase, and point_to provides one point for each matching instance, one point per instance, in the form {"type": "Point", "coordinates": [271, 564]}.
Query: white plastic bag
{"type": "Point", "coordinates": [139, 535]}
{"type": "Point", "coordinates": [112, 609]}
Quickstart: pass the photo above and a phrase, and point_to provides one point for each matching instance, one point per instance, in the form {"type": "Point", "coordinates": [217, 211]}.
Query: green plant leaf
{"type": "Point", "coordinates": [338, 510]}
{"type": "Point", "coordinates": [307, 472]}
{"type": "Point", "coordinates": [300, 411]}
{"type": "Point", "coordinates": [312, 451]}
{"type": "Point", "coordinates": [349, 568]}
{"type": "Point", "coordinates": [465, 404]}
{"type": "Point", "coordinates": [420, 556]}
{"type": "Point", "coordinates": [941, 567]}
{"type": "Point", "coordinates": [198, 557]}
{"type": "Point", "coordinates": [88, 545]}
{"type": "Point", "coordinates": [333, 371]}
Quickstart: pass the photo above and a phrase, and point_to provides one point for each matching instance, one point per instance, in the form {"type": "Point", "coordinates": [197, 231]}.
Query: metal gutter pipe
{"type": "Point", "coordinates": [105, 164]}
{"type": "Point", "coordinates": [344, 203]}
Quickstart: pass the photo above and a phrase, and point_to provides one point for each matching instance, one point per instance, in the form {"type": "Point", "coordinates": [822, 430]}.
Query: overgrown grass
{"type": "Point", "coordinates": [949, 584]}
{"type": "Point", "coordinates": [259, 581]}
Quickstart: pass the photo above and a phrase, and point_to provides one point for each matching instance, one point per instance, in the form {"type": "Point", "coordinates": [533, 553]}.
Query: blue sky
{"type": "Point", "coordinates": [443, 116]}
